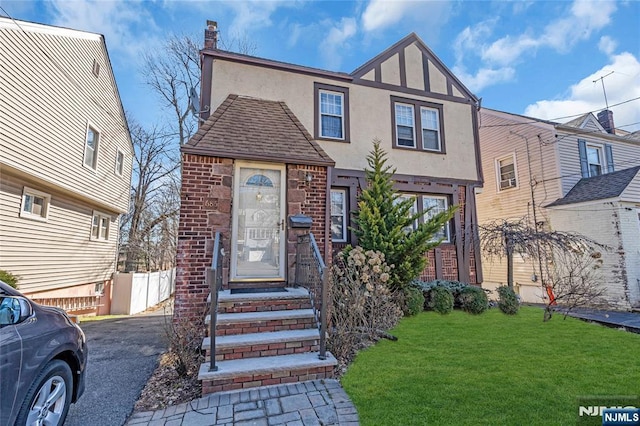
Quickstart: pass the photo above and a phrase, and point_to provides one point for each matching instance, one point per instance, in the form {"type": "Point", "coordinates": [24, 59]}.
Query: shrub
{"type": "Point", "coordinates": [454, 287]}
{"type": "Point", "coordinates": [440, 300]}
{"type": "Point", "coordinates": [9, 278]}
{"type": "Point", "coordinates": [384, 222]}
{"type": "Point", "coordinates": [413, 301]}
{"type": "Point", "coordinates": [507, 300]}
{"type": "Point", "coordinates": [362, 307]}
{"type": "Point", "coordinates": [474, 300]}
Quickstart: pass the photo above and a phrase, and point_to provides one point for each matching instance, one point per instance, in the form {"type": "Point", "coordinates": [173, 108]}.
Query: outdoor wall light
{"type": "Point", "coordinates": [308, 178]}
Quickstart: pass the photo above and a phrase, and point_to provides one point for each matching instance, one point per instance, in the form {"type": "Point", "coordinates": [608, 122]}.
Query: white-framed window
{"type": "Point", "coordinates": [595, 160]}
{"type": "Point", "coordinates": [339, 220]}
{"type": "Point", "coordinates": [405, 127]}
{"type": "Point", "coordinates": [430, 129]}
{"type": "Point", "coordinates": [432, 205]}
{"type": "Point", "coordinates": [119, 162]}
{"type": "Point", "coordinates": [35, 204]}
{"type": "Point", "coordinates": [91, 146]}
{"type": "Point", "coordinates": [331, 114]}
{"type": "Point", "coordinates": [100, 224]}
{"type": "Point", "coordinates": [412, 211]}
{"type": "Point", "coordinates": [506, 172]}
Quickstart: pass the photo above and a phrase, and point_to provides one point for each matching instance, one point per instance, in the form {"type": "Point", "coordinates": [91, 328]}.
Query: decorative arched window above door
{"type": "Point", "coordinates": [259, 180]}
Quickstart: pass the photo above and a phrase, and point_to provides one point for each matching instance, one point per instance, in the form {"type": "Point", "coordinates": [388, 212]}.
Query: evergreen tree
{"type": "Point", "coordinates": [384, 222]}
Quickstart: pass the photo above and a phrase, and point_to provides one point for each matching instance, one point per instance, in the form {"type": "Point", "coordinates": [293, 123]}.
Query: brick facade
{"type": "Point", "coordinates": [206, 208]}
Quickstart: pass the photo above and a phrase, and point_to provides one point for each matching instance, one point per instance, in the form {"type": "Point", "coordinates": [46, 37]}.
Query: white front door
{"type": "Point", "coordinates": [258, 239]}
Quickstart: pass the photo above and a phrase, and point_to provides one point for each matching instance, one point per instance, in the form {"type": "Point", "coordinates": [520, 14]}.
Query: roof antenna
{"type": "Point", "coordinates": [605, 92]}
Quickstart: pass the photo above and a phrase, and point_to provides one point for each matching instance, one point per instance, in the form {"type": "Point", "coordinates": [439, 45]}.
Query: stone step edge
{"type": "Point", "coordinates": [265, 338]}
{"type": "Point", "coordinates": [242, 317]}
{"type": "Point", "coordinates": [265, 365]}
{"type": "Point", "coordinates": [292, 293]}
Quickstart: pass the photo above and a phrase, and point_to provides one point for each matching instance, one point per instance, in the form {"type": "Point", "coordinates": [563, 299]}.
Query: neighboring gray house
{"type": "Point", "coordinates": [65, 163]}
{"type": "Point", "coordinates": [585, 180]}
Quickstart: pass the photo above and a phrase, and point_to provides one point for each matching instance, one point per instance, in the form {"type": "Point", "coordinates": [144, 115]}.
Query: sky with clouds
{"type": "Point", "coordinates": [538, 58]}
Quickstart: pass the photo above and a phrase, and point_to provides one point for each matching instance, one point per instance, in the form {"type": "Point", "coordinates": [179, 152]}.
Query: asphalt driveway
{"type": "Point", "coordinates": [123, 353]}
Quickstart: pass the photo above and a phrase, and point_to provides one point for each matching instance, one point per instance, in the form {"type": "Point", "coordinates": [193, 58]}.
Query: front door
{"type": "Point", "coordinates": [258, 240]}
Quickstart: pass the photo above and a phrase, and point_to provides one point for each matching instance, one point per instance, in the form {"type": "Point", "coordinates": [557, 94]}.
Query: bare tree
{"type": "Point", "coordinates": [565, 259]}
{"type": "Point", "coordinates": [154, 197]}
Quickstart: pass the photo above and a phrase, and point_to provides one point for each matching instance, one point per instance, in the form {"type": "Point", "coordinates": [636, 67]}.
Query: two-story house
{"type": "Point", "coordinates": [581, 177]}
{"type": "Point", "coordinates": [65, 163]}
{"type": "Point", "coordinates": [279, 139]}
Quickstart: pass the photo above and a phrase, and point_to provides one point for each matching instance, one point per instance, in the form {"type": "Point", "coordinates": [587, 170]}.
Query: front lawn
{"type": "Point", "coordinates": [491, 369]}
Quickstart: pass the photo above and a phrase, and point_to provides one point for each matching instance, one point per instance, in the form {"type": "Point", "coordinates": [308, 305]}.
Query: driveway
{"type": "Point", "coordinates": [123, 353]}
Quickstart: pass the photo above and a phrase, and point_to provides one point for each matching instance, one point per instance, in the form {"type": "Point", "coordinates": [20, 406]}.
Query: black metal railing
{"type": "Point", "coordinates": [312, 274]}
{"type": "Point", "coordinates": [214, 281]}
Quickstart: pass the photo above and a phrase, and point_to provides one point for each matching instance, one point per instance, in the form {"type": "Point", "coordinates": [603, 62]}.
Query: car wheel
{"type": "Point", "coordinates": [49, 397]}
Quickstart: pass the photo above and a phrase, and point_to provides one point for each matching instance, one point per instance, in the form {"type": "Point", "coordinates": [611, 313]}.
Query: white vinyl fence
{"type": "Point", "coordinates": [135, 292]}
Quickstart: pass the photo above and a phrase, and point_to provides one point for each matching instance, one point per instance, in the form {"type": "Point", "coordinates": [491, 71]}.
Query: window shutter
{"type": "Point", "coordinates": [609, 154]}
{"type": "Point", "coordinates": [584, 165]}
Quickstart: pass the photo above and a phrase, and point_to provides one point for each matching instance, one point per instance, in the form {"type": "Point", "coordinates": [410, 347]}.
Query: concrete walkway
{"type": "Point", "coordinates": [317, 402]}
{"type": "Point", "coordinates": [628, 320]}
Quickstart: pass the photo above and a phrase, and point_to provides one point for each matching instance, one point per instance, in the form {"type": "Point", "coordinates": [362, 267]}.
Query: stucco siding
{"type": "Point", "coordinates": [55, 253]}
{"type": "Point", "coordinates": [370, 118]}
{"type": "Point", "coordinates": [49, 96]}
{"type": "Point", "coordinates": [603, 222]}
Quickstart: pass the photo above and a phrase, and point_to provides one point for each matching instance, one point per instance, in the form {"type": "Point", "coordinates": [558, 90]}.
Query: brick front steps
{"type": "Point", "coordinates": [264, 338]}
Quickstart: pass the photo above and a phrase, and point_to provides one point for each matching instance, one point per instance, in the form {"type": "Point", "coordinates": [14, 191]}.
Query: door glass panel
{"type": "Point", "coordinates": [259, 217]}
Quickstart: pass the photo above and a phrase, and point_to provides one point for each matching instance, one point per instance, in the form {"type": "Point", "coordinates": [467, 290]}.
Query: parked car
{"type": "Point", "coordinates": [43, 355]}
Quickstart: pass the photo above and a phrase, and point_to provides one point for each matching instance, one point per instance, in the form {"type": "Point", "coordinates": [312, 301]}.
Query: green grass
{"type": "Point", "coordinates": [490, 369]}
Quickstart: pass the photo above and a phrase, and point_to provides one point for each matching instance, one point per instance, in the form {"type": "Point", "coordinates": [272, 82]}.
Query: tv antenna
{"type": "Point", "coordinates": [605, 92]}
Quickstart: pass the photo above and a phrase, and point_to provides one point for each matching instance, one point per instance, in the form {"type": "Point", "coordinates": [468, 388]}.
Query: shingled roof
{"type": "Point", "coordinates": [256, 129]}
{"type": "Point", "coordinates": [601, 187]}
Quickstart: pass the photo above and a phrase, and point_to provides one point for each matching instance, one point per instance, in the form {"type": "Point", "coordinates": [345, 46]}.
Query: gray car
{"type": "Point", "coordinates": [43, 355]}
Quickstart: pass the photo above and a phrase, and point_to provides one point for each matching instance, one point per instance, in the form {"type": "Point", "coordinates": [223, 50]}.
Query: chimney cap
{"type": "Point", "coordinates": [212, 25]}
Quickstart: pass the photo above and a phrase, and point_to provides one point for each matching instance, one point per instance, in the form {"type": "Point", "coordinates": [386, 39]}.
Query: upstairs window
{"type": "Point", "coordinates": [595, 159]}
{"type": "Point", "coordinates": [119, 162]}
{"type": "Point", "coordinates": [332, 112]}
{"type": "Point", "coordinates": [405, 130]}
{"type": "Point", "coordinates": [100, 226]}
{"type": "Point", "coordinates": [91, 148]}
{"type": "Point", "coordinates": [430, 129]}
{"type": "Point", "coordinates": [35, 204]}
{"type": "Point", "coordinates": [339, 215]}
{"type": "Point", "coordinates": [417, 125]}
{"type": "Point", "coordinates": [506, 173]}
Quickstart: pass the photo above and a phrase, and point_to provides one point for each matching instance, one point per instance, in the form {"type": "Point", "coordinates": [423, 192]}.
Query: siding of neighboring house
{"type": "Point", "coordinates": [45, 115]}
{"type": "Point", "coordinates": [610, 217]}
{"type": "Point", "coordinates": [625, 155]}
{"type": "Point", "coordinates": [50, 95]}
{"type": "Point", "coordinates": [630, 235]}
{"type": "Point", "coordinates": [501, 139]}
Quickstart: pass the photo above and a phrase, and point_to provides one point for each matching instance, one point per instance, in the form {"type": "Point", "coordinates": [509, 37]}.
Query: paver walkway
{"type": "Point", "coordinates": [317, 402]}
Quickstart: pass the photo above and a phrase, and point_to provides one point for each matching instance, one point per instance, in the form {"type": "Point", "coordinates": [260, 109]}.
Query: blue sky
{"type": "Point", "coordinates": [538, 58]}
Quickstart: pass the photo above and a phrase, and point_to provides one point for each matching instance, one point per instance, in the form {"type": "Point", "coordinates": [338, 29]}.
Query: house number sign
{"type": "Point", "coordinates": [210, 204]}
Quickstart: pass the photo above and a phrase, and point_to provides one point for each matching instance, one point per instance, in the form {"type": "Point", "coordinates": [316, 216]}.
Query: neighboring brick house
{"type": "Point", "coordinates": [65, 164]}
{"type": "Point", "coordinates": [581, 176]}
{"type": "Point", "coordinates": [284, 139]}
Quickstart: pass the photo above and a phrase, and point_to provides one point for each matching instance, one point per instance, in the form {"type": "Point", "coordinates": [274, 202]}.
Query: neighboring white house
{"type": "Point", "coordinates": [65, 163]}
{"type": "Point", "coordinates": [581, 176]}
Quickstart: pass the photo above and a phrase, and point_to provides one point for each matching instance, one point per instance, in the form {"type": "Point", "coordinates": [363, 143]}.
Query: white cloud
{"type": "Point", "coordinates": [607, 45]}
{"type": "Point", "coordinates": [587, 95]}
{"type": "Point", "coordinates": [125, 25]}
{"type": "Point", "coordinates": [583, 18]}
{"type": "Point", "coordinates": [484, 77]}
{"type": "Point", "coordinates": [381, 14]}
{"type": "Point", "coordinates": [336, 41]}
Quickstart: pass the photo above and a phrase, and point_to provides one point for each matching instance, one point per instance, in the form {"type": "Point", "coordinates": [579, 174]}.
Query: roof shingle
{"type": "Point", "coordinates": [601, 187]}
{"type": "Point", "coordinates": [257, 129]}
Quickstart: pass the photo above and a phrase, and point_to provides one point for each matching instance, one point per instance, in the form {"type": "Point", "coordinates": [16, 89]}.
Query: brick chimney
{"type": "Point", "coordinates": [605, 118]}
{"type": "Point", "coordinates": [211, 35]}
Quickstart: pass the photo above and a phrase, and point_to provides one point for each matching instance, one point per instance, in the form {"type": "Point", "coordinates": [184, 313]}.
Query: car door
{"type": "Point", "coordinates": [11, 367]}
